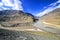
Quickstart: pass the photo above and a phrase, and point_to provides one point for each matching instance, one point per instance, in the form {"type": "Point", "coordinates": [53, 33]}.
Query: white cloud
{"type": "Point", "coordinates": [1, 4]}
{"type": "Point", "coordinates": [7, 4]}
{"type": "Point", "coordinates": [49, 9]}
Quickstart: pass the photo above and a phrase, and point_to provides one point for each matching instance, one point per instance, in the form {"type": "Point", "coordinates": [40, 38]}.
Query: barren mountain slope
{"type": "Point", "coordinates": [16, 20]}
{"type": "Point", "coordinates": [52, 18]}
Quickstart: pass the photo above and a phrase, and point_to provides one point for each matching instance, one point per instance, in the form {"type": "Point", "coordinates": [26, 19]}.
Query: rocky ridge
{"type": "Point", "coordinates": [13, 18]}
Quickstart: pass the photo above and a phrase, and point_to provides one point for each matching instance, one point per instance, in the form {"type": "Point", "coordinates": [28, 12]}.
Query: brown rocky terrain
{"type": "Point", "coordinates": [16, 20]}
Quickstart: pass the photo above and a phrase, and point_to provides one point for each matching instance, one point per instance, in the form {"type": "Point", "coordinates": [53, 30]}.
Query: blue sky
{"type": "Point", "coordinates": [36, 6]}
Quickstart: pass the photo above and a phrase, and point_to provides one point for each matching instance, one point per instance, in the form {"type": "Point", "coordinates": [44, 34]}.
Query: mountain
{"type": "Point", "coordinates": [50, 22]}
{"type": "Point", "coordinates": [52, 18]}
{"type": "Point", "coordinates": [15, 17]}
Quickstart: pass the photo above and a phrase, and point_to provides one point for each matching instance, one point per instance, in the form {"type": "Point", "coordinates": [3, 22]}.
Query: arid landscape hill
{"type": "Point", "coordinates": [15, 18]}
{"type": "Point", "coordinates": [52, 18]}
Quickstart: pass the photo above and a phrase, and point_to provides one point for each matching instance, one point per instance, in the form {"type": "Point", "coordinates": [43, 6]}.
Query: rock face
{"type": "Point", "coordinates": [15, 17]}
